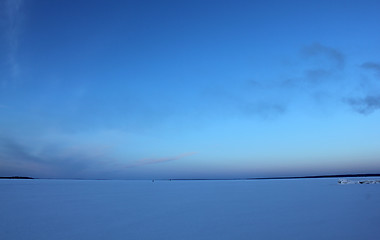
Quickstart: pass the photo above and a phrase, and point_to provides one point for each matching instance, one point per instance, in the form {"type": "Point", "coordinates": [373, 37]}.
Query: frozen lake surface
{"type": "Point", "coordinates": [259, 209]}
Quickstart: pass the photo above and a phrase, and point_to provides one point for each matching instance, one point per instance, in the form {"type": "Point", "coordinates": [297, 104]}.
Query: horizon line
{"type": "Point", "coordinates": [212, 179]}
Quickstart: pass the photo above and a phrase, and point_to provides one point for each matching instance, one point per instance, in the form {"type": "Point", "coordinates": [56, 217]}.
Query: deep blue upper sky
{"type": "Point", "coordinates": [167, 89]}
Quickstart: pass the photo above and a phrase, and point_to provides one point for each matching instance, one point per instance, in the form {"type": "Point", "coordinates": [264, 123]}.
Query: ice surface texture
{"type": "Point", "coordinates": [345, 181]}
{"type": "Point", "coordinates": [265, 209]}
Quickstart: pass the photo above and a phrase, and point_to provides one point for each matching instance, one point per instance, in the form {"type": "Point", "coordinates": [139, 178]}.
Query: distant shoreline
{"type": "Point", "coordinates": [274, 178]}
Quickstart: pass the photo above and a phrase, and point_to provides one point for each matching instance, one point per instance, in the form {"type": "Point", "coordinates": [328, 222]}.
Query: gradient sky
{"type": "Point", "coordinates": [189, 89]}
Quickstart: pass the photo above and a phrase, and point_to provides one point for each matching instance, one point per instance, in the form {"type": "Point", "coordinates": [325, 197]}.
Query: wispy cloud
{"type": "Point", "coordinates": [372, 66]}
{"type": "Point", "coordinates": [17, 157]}
{"type": "Point", "coordinates": [327, 65]}
{"type": "Point", "coordinates": [323, 77]}
{"type": "Point", "coordinates": [329, 53]}
{"type": "Point", "coordinates": [267, 110]}
{"type": "Point", "coordinates": [318, 74]}
{"type": "Point", "coordinates": [147, 161]}
{"type": "Point", "coordinates": [326, 62]}
{"type": "Point", "coordinates": [256, 101]}
{"type": "Point", "coordinates": [13, 12]}
{"type": "Point", "coordinates": [366, 105]}
{"type": "Point", "coordinates": [369, 101]}
{"type": "Point", "coordinates": [318, 77]}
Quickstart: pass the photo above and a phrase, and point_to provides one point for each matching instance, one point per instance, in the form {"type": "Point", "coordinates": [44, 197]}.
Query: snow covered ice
{"type": "Point", "coordinates": [345, 181]}
{"type": "Point", "coordinates": [264, 209]}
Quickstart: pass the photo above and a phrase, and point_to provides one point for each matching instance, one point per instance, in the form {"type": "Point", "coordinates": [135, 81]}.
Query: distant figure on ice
{"type": "Point", "coordinates": [152, 180]}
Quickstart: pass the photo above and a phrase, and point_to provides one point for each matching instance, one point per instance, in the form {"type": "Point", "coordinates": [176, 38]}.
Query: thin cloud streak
{"type": "Point", "coordinates": [266, 110]}
{"type": "Point", "coordinates": [13, 11]}
{"type": "Point", "coordinates": [147, 161]}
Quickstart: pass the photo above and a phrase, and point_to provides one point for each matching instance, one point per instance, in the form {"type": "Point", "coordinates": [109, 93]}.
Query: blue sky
{"type": "Point", "coordinates": [182, 89]}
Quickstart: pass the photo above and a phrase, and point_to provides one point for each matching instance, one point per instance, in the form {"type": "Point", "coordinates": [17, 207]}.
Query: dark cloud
{"type": "Point", "coordinates": [319, 81]}
{"type": "Point", "coordinates": [332, 54]}
{"type": "Point", "coordinates": [368, 86]}
{"type": "Point", "coordinates": [366, 105]}
{"type": "Point", "coordinates": [325, 63]}
{"type": "Point", "coordinates": [372, 66]}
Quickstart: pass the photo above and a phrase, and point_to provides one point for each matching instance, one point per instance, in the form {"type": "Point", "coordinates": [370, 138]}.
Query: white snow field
{"type": "Point", "coordinates": [259, 209]}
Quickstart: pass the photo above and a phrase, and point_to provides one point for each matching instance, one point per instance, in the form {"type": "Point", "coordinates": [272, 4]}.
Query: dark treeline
{"type": "Point", "coordinates": [16, 177]}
